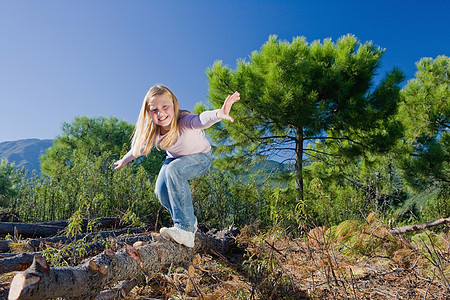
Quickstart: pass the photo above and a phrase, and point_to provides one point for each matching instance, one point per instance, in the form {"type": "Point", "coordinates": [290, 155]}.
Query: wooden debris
{"type": "Point", "coordinates": [417, 227]}
{"type": "Point", "coordinates": [80, 282]}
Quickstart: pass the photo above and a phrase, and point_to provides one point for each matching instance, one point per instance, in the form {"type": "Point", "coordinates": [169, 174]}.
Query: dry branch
{"type": "Point", "coordinates": [417, 227]}
{"type": "Point", "coordinates": [88, 279]}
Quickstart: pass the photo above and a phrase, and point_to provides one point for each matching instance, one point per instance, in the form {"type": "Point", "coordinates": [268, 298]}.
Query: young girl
{"type": "Point", "coordinates": [161, 124]}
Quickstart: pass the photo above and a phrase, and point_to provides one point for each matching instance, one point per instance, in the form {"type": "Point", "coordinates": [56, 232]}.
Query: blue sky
{"type": "Point", "coordinates": [60, 59]}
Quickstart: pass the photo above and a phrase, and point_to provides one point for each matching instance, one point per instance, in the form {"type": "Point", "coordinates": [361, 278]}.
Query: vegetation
{"type": "Point", "coordinates": [367, 150]}
{"type": "Point", "coordinates": [359, 151]}
{"type": "Point", "coordinates": [9, 182]}
{"type": "Point", "coordinates": [347, 172]}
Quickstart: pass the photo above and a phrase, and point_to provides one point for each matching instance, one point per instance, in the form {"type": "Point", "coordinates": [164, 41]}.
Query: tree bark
{"type": "Point", "coordinates": [88, 279]}
{"type": "Point", "coordinates": [417, 227]}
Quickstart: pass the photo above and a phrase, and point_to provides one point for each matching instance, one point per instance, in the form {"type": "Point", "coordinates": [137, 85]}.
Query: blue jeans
{"type": "Point", "coordinates": [172, 187]}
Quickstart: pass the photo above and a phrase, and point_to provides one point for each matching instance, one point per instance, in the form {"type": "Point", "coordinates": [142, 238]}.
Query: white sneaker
{"type": "Point", "coordinates": [179, 235]}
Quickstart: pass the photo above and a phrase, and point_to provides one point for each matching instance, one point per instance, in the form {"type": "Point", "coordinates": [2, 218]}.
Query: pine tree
{"type": "Point", "coordinates": [425, 114]}
{"type": "Point", "coordinates": [298, 93]}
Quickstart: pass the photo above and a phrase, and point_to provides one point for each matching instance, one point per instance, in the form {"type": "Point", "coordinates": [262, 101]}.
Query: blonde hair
{"type": "Point", "coordinates": [146, 132]}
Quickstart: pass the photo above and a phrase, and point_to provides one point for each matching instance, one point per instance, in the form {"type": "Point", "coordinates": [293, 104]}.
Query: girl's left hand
{"type": "Point", "coordinates": [224, 112]}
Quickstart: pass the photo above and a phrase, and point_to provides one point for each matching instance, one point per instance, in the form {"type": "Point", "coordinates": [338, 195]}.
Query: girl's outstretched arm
{"type": "Point", "coordinates": [224, 112]}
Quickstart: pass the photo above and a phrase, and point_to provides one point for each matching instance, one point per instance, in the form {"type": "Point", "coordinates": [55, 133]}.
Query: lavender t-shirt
{"type": "Point", "coordinates": [191, 137]}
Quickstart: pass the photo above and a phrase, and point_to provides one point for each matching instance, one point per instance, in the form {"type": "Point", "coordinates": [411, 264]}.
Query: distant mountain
{"type": "Point", "coordinates": [25, 152]}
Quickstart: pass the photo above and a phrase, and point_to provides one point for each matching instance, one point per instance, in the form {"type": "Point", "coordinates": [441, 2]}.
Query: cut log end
{"type": "Point", "coordinates": [196, 259]}
{"type": "Point", "coordinates": [109, 253]}
{"type": "Point", "coordinates": [123, 293]}
{"type": "Point", "coordinates": [19, 282]}
{"type": "Point", "coordinates": [138, 244]}
{"type": "Point", "coordinates": [93, 265]}
{"type": "Point", "coordinates": [103, 269]}
{"type": "Point", "coordinates": [191, 271]}
{"type": "Point", "coordinates": [42, 263]}
{"type": "Point", "coordinates": [133, 253]}
{"type": "Point", "coordinates": [17, 285]}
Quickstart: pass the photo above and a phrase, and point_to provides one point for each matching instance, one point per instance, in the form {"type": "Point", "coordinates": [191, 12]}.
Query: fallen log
{"type": "Point", "coordinates": [17, 262]}
{"type": "Point", "coordinates": [35, 244]}
{"type": "Point", "coordinates": [28, 230]}
{"type": "Point", "coordinates": [103, 222]}
{"type": "Point", "coordinates": [417, 227]}
{"type": "Point", "coordinates": [4, 246]}
{"type": "Point", "coordinates": [21, 261]}
{"type": "Point", "coordinates": [46, 229]}
{"type": "Point", "coordinates": [88, 279]}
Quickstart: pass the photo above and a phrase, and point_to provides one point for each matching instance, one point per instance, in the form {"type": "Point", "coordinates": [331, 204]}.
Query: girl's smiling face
{"type": "Point", "coordinates": [162, 111]}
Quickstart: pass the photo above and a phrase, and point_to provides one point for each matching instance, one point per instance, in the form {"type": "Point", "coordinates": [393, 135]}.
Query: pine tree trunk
{"type": "Point", "coordinates": [299, 165]}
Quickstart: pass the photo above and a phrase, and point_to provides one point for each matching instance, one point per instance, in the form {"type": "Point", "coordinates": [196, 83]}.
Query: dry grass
{"type": "Point", "coordinates": [355, 260]}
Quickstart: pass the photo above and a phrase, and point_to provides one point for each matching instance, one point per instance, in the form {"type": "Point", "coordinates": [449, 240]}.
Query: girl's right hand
{"type": "Point", "coordinates": [119, 164]}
